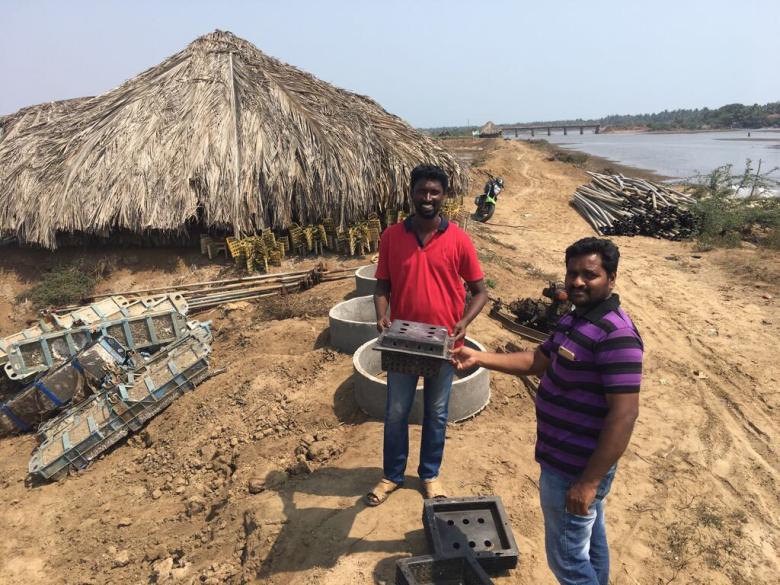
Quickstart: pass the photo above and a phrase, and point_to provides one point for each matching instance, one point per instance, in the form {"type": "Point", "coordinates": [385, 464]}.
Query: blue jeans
{"type": "Point", "coordinates": [576, 546]}
{"type": "Point", "coordinates": [401, 390]}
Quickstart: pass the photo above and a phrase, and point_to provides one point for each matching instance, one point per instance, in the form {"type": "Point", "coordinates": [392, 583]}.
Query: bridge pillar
{"type": "Point", "coordinates": [597, 129]}
{"type": "Point", "coordinates": [580, 129]}
{"type": "Point", "coordinates": [548, 131]}
{"type": "Point", "coordinates": [532, 133]}
{"type": "Point", "coordinates": [515, 132]}
{"type": "Point", "coordinates": [564, 131]}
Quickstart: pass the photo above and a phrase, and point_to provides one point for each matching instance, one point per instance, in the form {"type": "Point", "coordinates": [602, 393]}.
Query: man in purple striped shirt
{"type": "Point", "coordinates": [588, 400]}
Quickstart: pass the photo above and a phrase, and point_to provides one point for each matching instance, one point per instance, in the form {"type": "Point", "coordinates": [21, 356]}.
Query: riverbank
{"type": "Point", "coordinates": [598, 164]}
{"type": "Point", "coordinates": [647, 130]}
{"type": "Point", "coordinates": [678, 155]}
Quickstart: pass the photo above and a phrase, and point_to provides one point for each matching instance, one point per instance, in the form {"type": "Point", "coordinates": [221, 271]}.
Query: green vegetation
{"type": "Point", "coordinates": [63, 285]}
{"type": "Point", "coordinates": [728, 116]}
{"type": "Point", "coordinates": [450, 131]}
{"type": "Point", "coordinates": [572, 157]}
{"type": "Point", "coordinates": [731, 208]}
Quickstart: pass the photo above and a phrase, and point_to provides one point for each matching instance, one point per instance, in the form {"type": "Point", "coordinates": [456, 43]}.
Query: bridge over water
{"type": "Point", "coordinates": [565, 127]}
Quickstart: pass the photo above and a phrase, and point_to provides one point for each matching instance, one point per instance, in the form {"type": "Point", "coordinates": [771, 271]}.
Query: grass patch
{"type": "Point", "coordinates": [578, 159]}
{"type": "Point", "coordinates": [291, 306]}
{"type": "Point", "coordinates": [572, 157]}
{"type": "Point", "coordinates": [729, 209]}
{"type": "Point", "coordinates": [63, 285]}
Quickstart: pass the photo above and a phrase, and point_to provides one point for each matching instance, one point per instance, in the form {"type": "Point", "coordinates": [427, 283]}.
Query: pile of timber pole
{"type": "Point", "coordinates": [209, 294]}
{"type": "Point", "coordinates": [625, 206]}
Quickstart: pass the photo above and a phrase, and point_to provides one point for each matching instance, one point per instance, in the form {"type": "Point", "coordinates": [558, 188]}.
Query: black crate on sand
{"type": "Point", "coordinates": [414, 348]}
{"type": "Point", "coordinates": [475, 526]}
{"type": "Point", "coordinates": [428, 570]}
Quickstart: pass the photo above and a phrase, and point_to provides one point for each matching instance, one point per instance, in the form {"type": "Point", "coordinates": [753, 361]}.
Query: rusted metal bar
{"type": "Point", "coordinates": [508, 322]}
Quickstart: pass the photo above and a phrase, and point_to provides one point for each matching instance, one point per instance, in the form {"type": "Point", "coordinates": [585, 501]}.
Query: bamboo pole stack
{"type": "Point", "coordinates": [625, 206]}
{"type": "Point", "coordinates": [209, 294]}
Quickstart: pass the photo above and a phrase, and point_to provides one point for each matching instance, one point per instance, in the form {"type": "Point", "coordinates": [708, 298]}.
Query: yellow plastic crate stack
{"type": "Point", "coordinates": [362, 238]}
{"type": "Point", "coordinates": [281, 248]}
{"type": "Point", "coordinates": [374, 230]}
{"type": "Point", "coordinates": [297, 239]}
{"type": "Point", "coordinates": [267, 248]}
{"type": "Point", "coordinates": [273, 253]}
{"type": "Point", "coordinates": [256, 254]}
{"type": "Point", "coordinates": [320, 239]}
{"type": "Point", "coordinates": [346, 241]}
{"type": "Point", "coordinates": [330, 233]}
{"type": "Point", "coordinates": [237, 250]}
{"type": "Point", "coordinates": [308, 236]}
{"type": "Point", "coordinates": [450, 207]}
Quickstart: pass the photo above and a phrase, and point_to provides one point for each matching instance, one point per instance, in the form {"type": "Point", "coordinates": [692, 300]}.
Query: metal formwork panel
{"type": "Point", "coordinates": [72, 440]}
{"type": "Point", "coordinates": [109, 309]}
{"type": "Point", "coordinates": [135, 333]}
{"type": "Point", "coordinates": [54, 390]}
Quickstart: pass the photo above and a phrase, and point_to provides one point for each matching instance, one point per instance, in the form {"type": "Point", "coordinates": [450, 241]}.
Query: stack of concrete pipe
{"type": "Point", "coordinates": [365, 280]}
{"type": "Point", "coordinates": [352, 323]}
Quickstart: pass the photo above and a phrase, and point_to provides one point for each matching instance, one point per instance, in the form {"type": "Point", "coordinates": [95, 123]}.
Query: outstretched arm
{"type": "Point", "coordinates": [521, 363]}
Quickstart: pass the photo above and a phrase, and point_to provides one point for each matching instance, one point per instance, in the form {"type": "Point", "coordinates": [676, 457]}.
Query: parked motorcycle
{"type": "Point", "coordinates": [486, 203]}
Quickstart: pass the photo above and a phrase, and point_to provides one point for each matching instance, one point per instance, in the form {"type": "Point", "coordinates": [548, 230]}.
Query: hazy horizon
{"type": "Point", "coordinates": [434, 64]}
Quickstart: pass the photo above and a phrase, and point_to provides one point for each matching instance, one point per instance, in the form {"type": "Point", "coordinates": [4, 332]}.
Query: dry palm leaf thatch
{"type": "Point", "coordinates": [489, 129]}
{"type": "Point", "coordinates": [219, 133]}
{"type": "Point", "coordinates": [33, 116]}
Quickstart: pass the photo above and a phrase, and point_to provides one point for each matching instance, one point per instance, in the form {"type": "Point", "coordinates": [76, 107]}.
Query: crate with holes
{"type": "Point", "coordinates": [475, 526]}
{"type": "Point", "coordinates": [409, 347]}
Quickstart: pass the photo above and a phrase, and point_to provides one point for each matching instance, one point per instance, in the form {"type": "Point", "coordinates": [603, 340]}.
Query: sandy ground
{"type": "Point", "coordinates": [695, 499]}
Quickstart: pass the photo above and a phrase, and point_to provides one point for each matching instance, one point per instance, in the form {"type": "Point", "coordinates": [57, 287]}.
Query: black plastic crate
{"type": "Point", "coordinates": [416, 348]}
{"type": "Point", "coordinates": [416, 365]}
{"type": "Point", "coordinates": [475, 526]}
{"type": "Point", "coordinates": [429, 570]}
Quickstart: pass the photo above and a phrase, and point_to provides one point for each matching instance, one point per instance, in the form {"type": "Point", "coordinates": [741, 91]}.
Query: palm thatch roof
{"type": "Point", "coordinates": [489, 130]}
{"type": "Point", "coordinates": [32, 116]}
{"type": "Point", "coordinates": [219, 133]}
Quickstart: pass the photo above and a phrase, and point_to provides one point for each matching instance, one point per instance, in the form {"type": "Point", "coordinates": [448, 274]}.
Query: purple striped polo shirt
{"type": "Point", "coordinates": [590, 355]}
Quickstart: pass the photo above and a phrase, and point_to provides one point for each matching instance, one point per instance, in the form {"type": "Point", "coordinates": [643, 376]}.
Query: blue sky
{"type": "Point", "coordinates": [434, 63]}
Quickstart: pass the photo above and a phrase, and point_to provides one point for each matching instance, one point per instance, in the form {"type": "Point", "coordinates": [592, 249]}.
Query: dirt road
{"type": "Point", "coordinates": [695, 500]}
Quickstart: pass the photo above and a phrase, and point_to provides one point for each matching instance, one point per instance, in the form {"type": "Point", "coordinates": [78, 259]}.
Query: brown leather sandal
{"type": "Point", "coordinates": [432, 489]}
{"type": "Point", "coordinates": [381, 492]}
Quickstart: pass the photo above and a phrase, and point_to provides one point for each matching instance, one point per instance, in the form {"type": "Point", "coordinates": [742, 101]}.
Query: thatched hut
{"type": "Point", "coordinates": [33, 116]}
{"type": "Point", "coordinates": [490, 130]}
{"type": "Point", "coordinates": [220, 135]}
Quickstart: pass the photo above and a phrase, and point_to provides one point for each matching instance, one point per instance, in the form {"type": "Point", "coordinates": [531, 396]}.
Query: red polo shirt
{"type": "Point", "coordinates": [426, 282]}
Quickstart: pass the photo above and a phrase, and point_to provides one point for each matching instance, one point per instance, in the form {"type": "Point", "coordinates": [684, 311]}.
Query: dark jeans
{"type": "Point", "coordinates": [401, 390]}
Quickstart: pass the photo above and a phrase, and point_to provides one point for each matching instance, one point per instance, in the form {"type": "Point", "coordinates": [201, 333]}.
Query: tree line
{"type": "Point", "coordinates": [728, 116]}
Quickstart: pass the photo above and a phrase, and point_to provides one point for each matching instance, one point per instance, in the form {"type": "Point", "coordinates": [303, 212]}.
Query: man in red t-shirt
{"type": "Point", "coordinates": [422, 265]}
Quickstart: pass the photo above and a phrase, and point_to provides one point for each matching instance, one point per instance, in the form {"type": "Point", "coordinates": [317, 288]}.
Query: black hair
{"type": "Point", "coordinates": [429, 173]}
{"type": "Point", "coordinates": [610, 255]}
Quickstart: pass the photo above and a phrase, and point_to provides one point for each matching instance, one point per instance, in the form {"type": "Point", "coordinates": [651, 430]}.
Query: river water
{"type": "Point", "coordinates": [676, 155]}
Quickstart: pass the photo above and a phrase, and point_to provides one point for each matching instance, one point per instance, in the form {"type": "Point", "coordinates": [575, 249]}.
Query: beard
{"type": "Point", "coordinates": [426, 213]}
